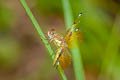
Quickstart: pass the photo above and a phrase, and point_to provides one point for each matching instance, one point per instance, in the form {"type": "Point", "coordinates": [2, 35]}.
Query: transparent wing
{"type": "Point", "coordinates": [74, 33]}
{"type": "Point", "coordinates": [65, 59]}
{"type": "Point", "coordinates": [77, 21]}
{"type": "Point", "coordinates": [75, 36]}
{"type": "Point", "coordinates": [72, 28]}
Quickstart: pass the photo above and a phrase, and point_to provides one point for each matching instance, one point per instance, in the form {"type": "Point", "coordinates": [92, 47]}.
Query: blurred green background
{"type": "Point", "coordinates": [24, 57]}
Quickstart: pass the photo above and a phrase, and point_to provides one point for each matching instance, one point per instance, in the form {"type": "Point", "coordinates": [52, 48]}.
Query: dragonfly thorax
{"type": "Point", "coordinates": [57, 39]}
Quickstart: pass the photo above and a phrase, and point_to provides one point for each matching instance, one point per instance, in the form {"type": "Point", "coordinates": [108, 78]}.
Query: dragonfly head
{"type": "Point", "coordinates": [51, 33]}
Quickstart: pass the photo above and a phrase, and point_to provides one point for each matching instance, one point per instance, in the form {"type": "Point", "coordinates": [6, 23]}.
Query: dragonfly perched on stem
{"type": "Point", "coordinates": [63, 55]}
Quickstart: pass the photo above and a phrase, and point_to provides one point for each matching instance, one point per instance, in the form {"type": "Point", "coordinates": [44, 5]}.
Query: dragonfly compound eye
{"type": "Point", "coordinates": [51, 33]}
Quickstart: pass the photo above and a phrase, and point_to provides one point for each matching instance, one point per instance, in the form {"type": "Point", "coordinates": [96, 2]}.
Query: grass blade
{"type": "Point", "coordinates": [77, 61]}
{"type": "Point", "coordinates": [67, 13]}
{"type": "Point", "coordinates": [42, 36]}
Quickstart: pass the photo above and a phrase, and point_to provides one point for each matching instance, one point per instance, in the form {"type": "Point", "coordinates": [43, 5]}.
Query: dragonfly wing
{"type": "Point", "coordinates": [65, 59]}
{"type": "Point", "coordinates": [73, 35]}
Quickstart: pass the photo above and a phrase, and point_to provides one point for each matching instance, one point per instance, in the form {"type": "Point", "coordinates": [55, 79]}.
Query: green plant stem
{"type": "Point", "coordinates": [67, 13]}
{"type": "Point", "coordinates": [77, 61]}
{"type": "Point", "coordinates": [42, 36]}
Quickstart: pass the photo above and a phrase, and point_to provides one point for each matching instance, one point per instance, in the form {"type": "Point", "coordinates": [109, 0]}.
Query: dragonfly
{"type": "Point", "coordinates": [63, 56]}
